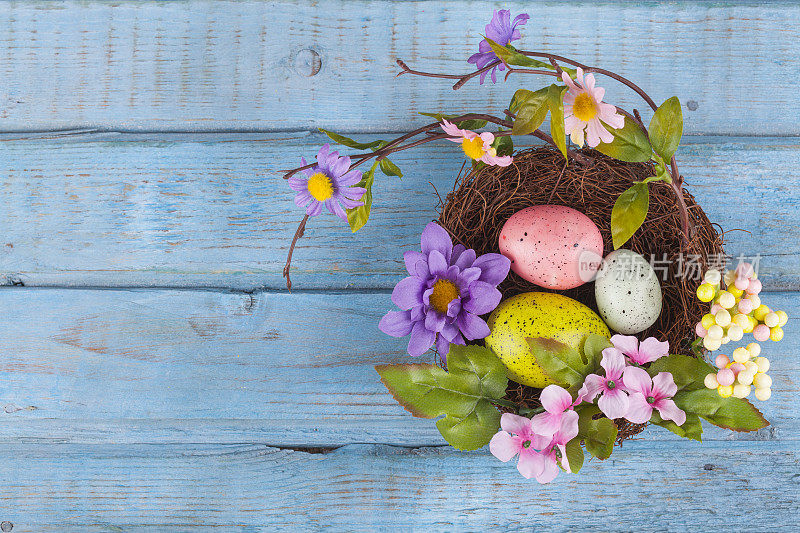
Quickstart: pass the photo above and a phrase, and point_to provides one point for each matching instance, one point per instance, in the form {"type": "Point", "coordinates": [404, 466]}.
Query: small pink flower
{"type": "Point", "coordinates": [476, 146]}
{"type": "Point", "coordinates": [556, 402]}
{"type": "Point", "coordinates": [648, 394]}
{"type": "Point", "coordinates": [647, 351]}
{"type": "Point", "coordinates": [567, 431]}
{"type": "Point", "coordinates": [613, 400]}
{"type": "Point", "coordinates": [517, 438]}
{"type": "Point", "coordinates": [584, 109]}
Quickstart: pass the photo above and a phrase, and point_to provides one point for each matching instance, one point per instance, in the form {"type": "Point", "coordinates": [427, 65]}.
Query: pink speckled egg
{"type": "Point", "coordinates": [552, 246]}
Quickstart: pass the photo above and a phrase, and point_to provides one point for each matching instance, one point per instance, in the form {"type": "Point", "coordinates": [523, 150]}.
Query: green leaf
{"type": "Point", "coordinates": [530, 109]}
{"type": "Point", "coordinates": [347, 141]}
{"type": "Point", "coordinates": [509, 55]}
{"type": "Point", "coordinates": [503, 53]}
{"type": "Point", "coordinates": [629, 212]}
{"type": "Point", "coordinates": [593, 347]}
{"type": "Point", "coordinates": [730, 413]}
{"type": "Point", "coordinates": [666, 128]}
{"type": "Point", "coordinates": [530, 411]}
{"type": "Point", "coordinates": [503, 145]}
{"type": "Point", "coordinates": [598, 435]}
{"type": "Point", "coordinates": [629, 144]}
{"type": "Point", "coordinates": [575, 455]}
{"type": "Point", "coordinates": [690, 429]}
{"type": "Point", "coordinates": [463, 395]}
{"type": "Point", "coordinates": [563, 364]}
{"type": "Point", "coordinates": [469, 124]}
{"type": "Point", "coordinates": [389, 168]}
{"type": "Point", "coordinates": [688, 372]}
{"type": "Point", "coordinates": [358, 216]}
{"type": "Point", "coordinates": [555, 98]}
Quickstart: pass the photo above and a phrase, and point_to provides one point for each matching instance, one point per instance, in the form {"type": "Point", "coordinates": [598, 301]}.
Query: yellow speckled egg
{"type": "Point", "coordinates": [538, 314]}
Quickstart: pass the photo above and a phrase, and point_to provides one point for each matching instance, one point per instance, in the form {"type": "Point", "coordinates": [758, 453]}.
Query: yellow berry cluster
{"type": "Point", "coordinates": [735, 378]}
{"type": "Point", "coordinates": [736, 309]}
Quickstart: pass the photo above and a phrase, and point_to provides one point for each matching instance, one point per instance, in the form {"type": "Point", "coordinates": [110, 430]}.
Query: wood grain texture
{"type": "Point", "coordinates": [178, 409]}
{"type": "Point", "coordinates": [147, 366]}
{"type": "Point", "coordinates": [644, 486]}
{"type": "Point", "coordinates": [212, 210]}
{"type": "Point", "coordinates": [204, 65]}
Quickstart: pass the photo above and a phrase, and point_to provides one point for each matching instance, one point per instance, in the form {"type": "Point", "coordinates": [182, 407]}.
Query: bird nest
{"type": "Point", "coordinates": [483, 199]}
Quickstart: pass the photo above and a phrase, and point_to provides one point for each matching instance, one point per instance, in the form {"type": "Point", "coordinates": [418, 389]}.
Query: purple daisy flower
{"type": "Point", "coordinates": [328, 182]}
{"type": "Point", "coordinates": [447, 291]}
{"type": "Point", "coordinates": [502, 31]}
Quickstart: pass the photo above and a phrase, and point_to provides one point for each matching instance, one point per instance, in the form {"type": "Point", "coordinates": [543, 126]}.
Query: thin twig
{"type": "Point", "coordinates": [587, 69]}
{"type": "Point", "coordinates": [462, 78]}
{"type": "Point", "coordinates": [559, 72]}
{"type": "Point", "coordinates": [297, 234]}
{"type": "Point", "coordinates": [558, 181]}
{"type": "Point", "coordinates": [677, 186]}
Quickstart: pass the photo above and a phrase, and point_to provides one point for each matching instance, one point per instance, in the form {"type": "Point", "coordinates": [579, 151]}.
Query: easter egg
{"type": "Point", "coordinates": [628, 293]}
{"type": "Point", "coordinates": [552, 246]}
{"type": "Point", "coordinates": [538, 314]}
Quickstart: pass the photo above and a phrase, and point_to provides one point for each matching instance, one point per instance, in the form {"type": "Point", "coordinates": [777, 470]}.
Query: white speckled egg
{"type": "Point", "coordinates": [627, 292]}
{"type": "Point", "coordinates": [553, 246]}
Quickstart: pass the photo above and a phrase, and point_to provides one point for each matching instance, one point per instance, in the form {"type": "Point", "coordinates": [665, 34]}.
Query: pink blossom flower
{"type": "Point", "coordinates": [539, 456]}
{"type": "Point", "coordinates": [556, 401]}
{"type": "Point", "coordinates": [549, 457]}
{"type": "Point", "coordinates": [647, 351]}
{"type": "Point", "coordinates": [648, 394]}
{"type": "Point", "coordinates": [584, 109]}
{"type": "Point", "coordinates": [613, 400]}
{"type": "Point", "coordinates": [476, 146]}
{"type": "Point", "coordinates": [517, 438]}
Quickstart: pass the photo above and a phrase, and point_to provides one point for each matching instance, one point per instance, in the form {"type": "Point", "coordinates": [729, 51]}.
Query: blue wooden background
{"type": "Point", "coordinates": [156, 375]}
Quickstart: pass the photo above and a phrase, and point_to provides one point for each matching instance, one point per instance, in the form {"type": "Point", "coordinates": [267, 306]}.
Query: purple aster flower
{"type": "Point", "coordinates": [447, 291]}
{"type": "Point", "coordinates": [502, 31]}
{"type": "Point", "coordinates": [329, 183]}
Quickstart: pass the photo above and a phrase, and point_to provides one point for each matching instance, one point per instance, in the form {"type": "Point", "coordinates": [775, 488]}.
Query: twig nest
{"type": "Point", "coordinates": [482, 201]}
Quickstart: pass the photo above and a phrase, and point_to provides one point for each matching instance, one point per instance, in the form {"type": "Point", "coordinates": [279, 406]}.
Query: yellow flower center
{"type": "Point", "coordinates": [320, 186]}
{"type": "Point", "coordinates": [584, 108]}
{"type": "Point", "coordinates": [473, 147]}
{"type": "Point", "coordinates": [444, 292]}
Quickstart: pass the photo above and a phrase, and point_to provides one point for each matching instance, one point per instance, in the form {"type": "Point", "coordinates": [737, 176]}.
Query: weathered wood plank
{"type": "Point", "coordinates": [653, 486]}
{"type": "Point", "coordinates": [204, 65]}
{"type": "Point", "coordinates": [212, 210]}
{"type": "Point", "coordinates": [147, 366]}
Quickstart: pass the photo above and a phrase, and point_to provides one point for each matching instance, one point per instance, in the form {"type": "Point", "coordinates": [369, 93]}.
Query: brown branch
{"type": "Point", "coordinates": [587, 69]}
{"type": "Point", "coordinates": [559, 72]}
{"type": "Point", "coordinates": [677, 186]}
{"type": "Point", "coordinates": [390, 146]}
{"type": "Point", "coordinates": [462, 78]}
{"type": "Point", "coordinates": [677, 181]}
{"type": "Point", "coordinates": [297, 234]}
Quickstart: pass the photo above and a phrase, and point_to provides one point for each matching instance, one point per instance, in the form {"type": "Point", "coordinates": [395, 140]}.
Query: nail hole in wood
{"type": "Point", "coordinates": [307, 62]}
{"type": "Point", "coordinates": [5, 525]}
{"type": "Point", "coordinates": [692, 105]}
{"type": "Point", "coordinates": [708, 466]}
